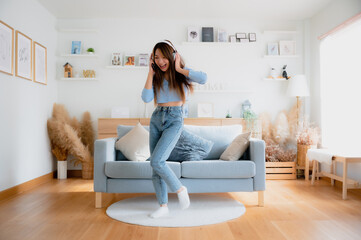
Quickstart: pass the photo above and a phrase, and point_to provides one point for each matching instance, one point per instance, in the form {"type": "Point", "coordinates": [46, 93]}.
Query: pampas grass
{"type": "Point", "coordinates": [280, 130]}
{"type": "Point", "coordinates": [69, 136]}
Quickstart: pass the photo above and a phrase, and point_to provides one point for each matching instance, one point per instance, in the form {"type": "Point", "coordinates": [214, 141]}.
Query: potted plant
{"type": "Point", "coordinates": [90, 50]}
{"type": "Point", "coordinates": [307, 137]}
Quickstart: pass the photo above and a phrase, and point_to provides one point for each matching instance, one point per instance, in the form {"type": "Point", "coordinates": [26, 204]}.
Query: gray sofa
{"type": "Point", "coordinates": [114, 174]}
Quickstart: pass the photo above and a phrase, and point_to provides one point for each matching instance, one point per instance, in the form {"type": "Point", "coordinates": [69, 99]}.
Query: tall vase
{"type": "Point", "coordinates": [62, 169]}
{"type": "Point", "coordinates": [302, 152]}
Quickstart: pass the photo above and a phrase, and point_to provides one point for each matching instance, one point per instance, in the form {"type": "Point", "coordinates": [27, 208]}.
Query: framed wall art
{"type": "Point", "coordinates": [6, 48]}
{"type": "Point", "coordinates": [205, 110]}
{"type": "Point", "coordinates": [40, 63]}
{"type": "Point", "coordinates": [287, 47]}
{"type": "Point", "coordinates": [272, 49]}
{"type": "Point", "coordinates": [23, 53]}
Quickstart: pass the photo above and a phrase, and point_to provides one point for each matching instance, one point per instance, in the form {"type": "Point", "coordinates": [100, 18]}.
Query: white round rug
{"type": "Point", "coordinates": [204, 210]}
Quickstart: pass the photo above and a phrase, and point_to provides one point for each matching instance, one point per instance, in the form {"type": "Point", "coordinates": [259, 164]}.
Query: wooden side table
{"type": "Point", "coordinates": [346, 182]}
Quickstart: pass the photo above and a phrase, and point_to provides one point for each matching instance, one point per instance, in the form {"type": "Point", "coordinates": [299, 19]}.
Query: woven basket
{"type": "Point", "coordinates": [87, 170]}
{"type": "Point", "coordinates": [302, 152]}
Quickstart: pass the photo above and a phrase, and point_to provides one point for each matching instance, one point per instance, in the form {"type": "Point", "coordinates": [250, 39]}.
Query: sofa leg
{"type": "Point", "coordinates": [98, 200]}
{"type": "Point", "coordinates": [261, 198]}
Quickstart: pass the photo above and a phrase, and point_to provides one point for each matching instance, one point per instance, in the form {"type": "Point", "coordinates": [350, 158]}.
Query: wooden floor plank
{"type": "Point", "coordinates": [294, 209]}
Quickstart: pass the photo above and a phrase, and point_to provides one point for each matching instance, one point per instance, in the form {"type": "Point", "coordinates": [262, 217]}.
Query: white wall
{"type": "Point", "coordinates": [327, 19]}
{"type": "Point", "coordinates": [241, 67]}
{"type": "Point", "coordinates": [25, 106]}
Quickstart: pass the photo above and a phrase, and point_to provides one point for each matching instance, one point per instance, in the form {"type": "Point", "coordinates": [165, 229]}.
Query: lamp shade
{"type": "Point", "coordinates": [297, 86]}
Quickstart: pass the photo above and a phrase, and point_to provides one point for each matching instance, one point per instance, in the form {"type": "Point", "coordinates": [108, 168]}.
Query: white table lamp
{"type": "Point", "coordinates": [297, 87]}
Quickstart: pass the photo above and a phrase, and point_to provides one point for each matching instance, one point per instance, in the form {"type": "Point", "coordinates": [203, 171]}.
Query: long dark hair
{"type": "Point", "coordinates": [176, 80]}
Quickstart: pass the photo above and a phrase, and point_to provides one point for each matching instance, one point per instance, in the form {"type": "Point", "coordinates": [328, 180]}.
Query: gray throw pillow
{"type": "Point", "coordinates": [190, 147]}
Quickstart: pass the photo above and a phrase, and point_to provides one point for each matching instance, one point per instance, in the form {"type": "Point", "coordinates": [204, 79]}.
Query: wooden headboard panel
{"type": "Point", "coordinates": [107, 127]}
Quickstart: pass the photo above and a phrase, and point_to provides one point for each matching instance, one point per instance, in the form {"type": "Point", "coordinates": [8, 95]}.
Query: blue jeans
{"type": "Point", "coordinates": [166, 125]}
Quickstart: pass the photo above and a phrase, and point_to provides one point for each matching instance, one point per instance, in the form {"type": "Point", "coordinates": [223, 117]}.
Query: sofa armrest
{"type": "Point", "coordinates": [257, 155]}
{"type": "Point", "coordinates": [104, 151]}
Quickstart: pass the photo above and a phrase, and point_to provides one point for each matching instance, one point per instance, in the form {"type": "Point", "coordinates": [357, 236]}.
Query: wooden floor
{"type": "Point", "coordinates": [64, 209]}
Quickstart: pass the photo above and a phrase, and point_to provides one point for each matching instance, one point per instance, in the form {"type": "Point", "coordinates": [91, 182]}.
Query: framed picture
{"type": "Point", "coordinates": [143, 59]}
{"type": "Point", "coordinates": [129, 60]}
{"type": "Point", "coordinates": [6, 48]}
{"type": "Point", "coordinates": [40, 63]}
{"type": "Point", "coordinates": [76, 47]}
{"type": "Point", "coordinates": [205, 110]}
{"type": "Point", "coordinates": [241, 35]}
{"type": "Point", "coordinates": [252, 37]}
{"type": "Point", "coordinates": [117, 59]}
{"type": "Point", "coordinates": [287, 47]}
{"type": "Point", "coordinates": [222, 35]}
{"type": "Point", "coordinates": [23, 59]}
{"type": "Point", "coordinates": [272, 49]}
{"type": "Point", "coordinates": [207, 34]}
{"type": "Point", "coordinates": [232, 38]}
{"type": "Point", "coordinates": [193, 34]}
{"type": "Point", "coordinates": [244, 40]}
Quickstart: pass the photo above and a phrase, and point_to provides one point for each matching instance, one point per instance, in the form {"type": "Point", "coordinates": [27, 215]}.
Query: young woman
{"type": "Point", "coordinates": [168, 83]}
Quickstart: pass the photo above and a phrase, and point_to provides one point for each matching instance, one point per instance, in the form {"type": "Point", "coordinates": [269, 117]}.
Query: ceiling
{"type": "Point", "coordinates": [255, 9]}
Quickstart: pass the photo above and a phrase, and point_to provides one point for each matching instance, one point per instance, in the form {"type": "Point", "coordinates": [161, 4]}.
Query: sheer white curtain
{"type": "Point", "coordinates": [340, 59]}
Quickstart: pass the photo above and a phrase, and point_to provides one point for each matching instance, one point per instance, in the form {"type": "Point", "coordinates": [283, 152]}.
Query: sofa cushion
{"type": "Point", "coordinates": [218, 169]}
{"type": "Point", "coordinates": [135, 144]}
{"type": "Point", "coordinates": [190, 147]}
{"type": "Point", "coordinates": [221, 136]}
{"type": "Point", "coordinates": [236, 149]}
{"type": "Point", "coordinates": [141, 170]}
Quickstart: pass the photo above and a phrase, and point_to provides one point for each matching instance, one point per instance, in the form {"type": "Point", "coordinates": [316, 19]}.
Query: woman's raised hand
{"type": "Point", "coordinates": [177, 62]}
{"type": "Point", "coordinates": [151, 62]}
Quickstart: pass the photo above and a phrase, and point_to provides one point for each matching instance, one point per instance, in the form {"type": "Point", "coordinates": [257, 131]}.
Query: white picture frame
{"type": "Point", "coordinates": [143, 59]}
{"type": "Point", "coordinates": [23, 56]}
{"type": "Point", "coordinates": [287, 47]}
{"type": "Point", "coordinates": [252, 37]}
{"type": "Point", "coordinates": [116, 59]}
{"type": "Point", "coordinates": [194, 34]}
{"type": "Point", "coordinates": [272, 49]}
{"type": "Point", "coordinates": [205, 110]}
{"type": "Point", "coordinates": [232, 39]}
{"type": "Point", "coordinates": [40, 63]}
{"type": "Point", "coordinates": [222, 35]}
{"type": "Point", "coordinates": [6, 49]}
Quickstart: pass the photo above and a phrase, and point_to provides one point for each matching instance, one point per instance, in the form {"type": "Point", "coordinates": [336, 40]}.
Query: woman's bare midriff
{"type": "Point", "coordinates": [171, 104]}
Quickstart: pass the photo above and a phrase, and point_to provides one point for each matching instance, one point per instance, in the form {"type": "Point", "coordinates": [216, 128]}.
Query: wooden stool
{"type": "Point", "coordinates": [346, 182]}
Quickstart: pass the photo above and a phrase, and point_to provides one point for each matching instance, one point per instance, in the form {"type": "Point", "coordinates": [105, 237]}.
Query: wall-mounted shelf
{"type": "Point", "coordinates": [127, 67]}
{"type": "Point", "coordinates": [281, 56]}
{"type": "Point", "coordinates": [78, 79]}
{"type": "Point", "coordinates": [78, 30]}
{"type": "Point", "coordinates": [275, 79]}
{"type": "Point", "coordinates": [80, 55]}
{"type": "Point", "coordinates": [218, 43]}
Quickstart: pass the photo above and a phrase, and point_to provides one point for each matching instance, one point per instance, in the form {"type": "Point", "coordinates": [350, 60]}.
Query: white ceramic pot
{"type": "Point", "coordinates": [62, 169]}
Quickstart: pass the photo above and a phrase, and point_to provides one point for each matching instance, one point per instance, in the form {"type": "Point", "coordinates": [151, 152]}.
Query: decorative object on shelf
{"type": "Point", "coordinates": [68, 70]}
{"type": "Point", "coordinates": [40, 63]}
{"type": "Point", "coordinates": [23, 56]}
{"type": "Point", "coordinates": [222, 35]}
{"type": "Point", "coordinates": [76, 47]}
{"type": "Point", "coordinates": [228, 114]}
{"type": "Point", "coordinates": [89, 73]}
{"type": "Point", "coordinates": [297, 87]}
{"type": "Point", "coordinates": [284, 73]}
{"type": "Point", "coordinates": [143, 59]}
{"type": "Point", "coordinates": [7, 48]}
{"type": "Point", "coordinates": [252, 37]}
{"type": "Point", "coordinates": [246, 105]}
{"type": "Point", "coordinates": [90, 50]}
{"type": "Point", "coordinates": [129, 60]}
{"type": "Point", "coordinates": [205, 110]}
{"type": "Point", "coordinates": [273, 73]}
{"type": "Point", "coordinates": [116, 59]}
{"type": "Point", "coordinates": [244, 40]}
{"type": "Point", "coordinates": [272, 49]}
{"type": "Point", "coordinates": [287, 47]}
{"type": "Point", "coordinates": [69, 136]}
{"type": "Point", "coordinates": [120, 112]}
{"type": "Point", "coordinates": [207, 34]}
{"type": "Point", "coordinates": [240, 36]}
{"type": "Point", "coordinates": [232, 38]}
{"type": "Point", "coordinates": [193, 34]}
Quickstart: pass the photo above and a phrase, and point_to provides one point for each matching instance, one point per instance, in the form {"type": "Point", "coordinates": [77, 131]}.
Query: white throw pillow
{"type": "Point", "coordinates": [135, 144]}
{"type": "Point", "coordinates": [236, 149]}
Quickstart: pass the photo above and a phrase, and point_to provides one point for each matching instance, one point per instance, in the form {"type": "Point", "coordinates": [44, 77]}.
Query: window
{"type": "Point", "coordinates": [340, 61]}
